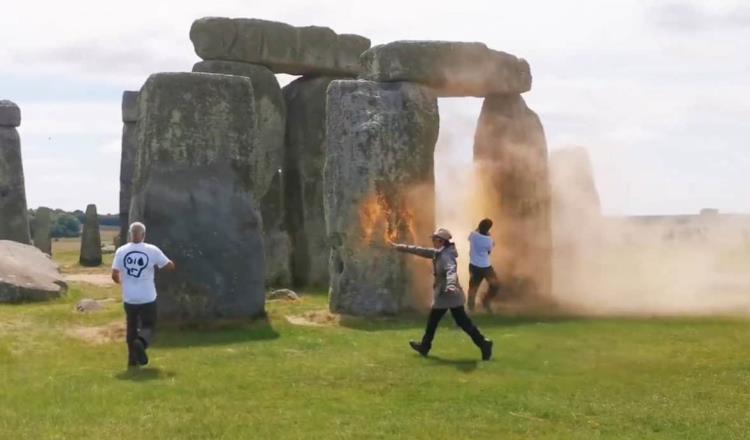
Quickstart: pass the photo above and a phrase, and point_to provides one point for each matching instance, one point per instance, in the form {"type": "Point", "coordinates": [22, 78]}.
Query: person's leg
{"type": "Point", "coordinates": [429, 333]}
{"type": "Point", "coordinates": [463, 321]}
{"type": "Point", "coordinates": [148, 323]}
{"type": "Point", "coordinates": [493, 288]}
{"type": "Point", "coordinates": [432, 323]}
{"type": "Point", "coordinates": [131, 331]}
{"type": "Point", "coordinates": [474, 281]}
{"type": "Point", "coordinates": [493, 281]}
{"type": "Point", "coordinates": [144, 319]}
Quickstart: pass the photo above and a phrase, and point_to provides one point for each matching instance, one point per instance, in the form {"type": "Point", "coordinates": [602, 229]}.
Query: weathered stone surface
{"type": "Point", "coordinates": [198, 170]}
{"type": "Point", "coordinates": [270, 113]}
{"type": "Point", "coordinates": [10, 114]}
{"type": "Point", "coordinates": [129, 106]}
{"type": "Point", "coordinates": [42, 230]}
{"type": "Point", "coordinates": [451, 68]}
{"type": "Point", "coordinates": [91, 240]}
{"type": "Point", "coordinates": [14, 221]}
{"type": "Point", "coordinates": [309, 50]}
{"type": "Point", "coordinates": [303, 179]}
{"type": "Point", "coordinates": [26, 274]}
{"type": "Point", "coordinates": [269, 106]}
{"type": "Point", "coordinates": [379, 185]}
{"type": "Point", "coordinates": [127, 159]}
{"type": "Point", "coordinates": [127, 169]}
{"type": "Point", "coordinates": [510, 154]}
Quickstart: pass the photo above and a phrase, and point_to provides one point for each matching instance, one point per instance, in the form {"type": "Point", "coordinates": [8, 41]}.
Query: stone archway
{"type": "Point", "coordinates": [381, 133]}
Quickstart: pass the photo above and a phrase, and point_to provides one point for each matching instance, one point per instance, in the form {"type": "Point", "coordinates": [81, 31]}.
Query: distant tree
{"type": "Point", "coordinates": [80, 215]}
{"type": "Point", "coordinates": [109, 220]}
{"type": "Point", "coordinates": [65, 225]}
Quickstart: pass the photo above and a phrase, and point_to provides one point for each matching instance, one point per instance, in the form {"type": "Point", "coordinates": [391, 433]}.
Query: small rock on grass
{"type": "Point", "coordinates": [284, 294]}
{"type": "Point", "coordinates": [88, 305]}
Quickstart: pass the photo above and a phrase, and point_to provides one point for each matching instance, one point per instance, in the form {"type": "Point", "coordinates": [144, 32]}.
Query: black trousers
{"type": "Point", "coordinates": [476, 276]}
{"type": "Point", "coordinates": [140, 321]}
{"type": "Point", "coordinates": [462, 320]}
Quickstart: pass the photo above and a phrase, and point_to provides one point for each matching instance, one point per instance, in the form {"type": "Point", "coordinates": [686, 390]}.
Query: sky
{"type": "Point", "coordinates": [658, 92]}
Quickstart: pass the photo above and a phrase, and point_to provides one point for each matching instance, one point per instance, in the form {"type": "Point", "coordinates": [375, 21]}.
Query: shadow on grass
{"type": "Point", "coordinates": [463, 365]}
{"type": "Point", "coordinates": [144, 374]}
{"type": "Point", "coordinates": [216, 333]}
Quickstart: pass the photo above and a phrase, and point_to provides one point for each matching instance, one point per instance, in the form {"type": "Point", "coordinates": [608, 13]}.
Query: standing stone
{"type": "Point", "coordinates": [450, 68]}
{"type": "Point", "coordinates": [309, 50]}
{"type": "Point", "coordinates": [271, 117]}
{"type": "Point", "coordinates": [91, 240]}
{"type": "Point", "coordinates": [127, 158]}
{"type": "Point", "coordinates": [42, 229]}
{"type": "Point", "coordinates": [576, 220]}
{"type": "Point", "coordinates": [303, 179]}
{"type": "Point", "coordinates": [575, 198]}
{"type": "Point", "coordinates": [10, 114]}
{"type": "Point", "coordinates": [199, 171]}
{"type": "Point", "coordinates": [379, 185]}
{"type": "Point", "coordinates": [14, 221]}
{"type": "Point", "coordinates": [510, 154]}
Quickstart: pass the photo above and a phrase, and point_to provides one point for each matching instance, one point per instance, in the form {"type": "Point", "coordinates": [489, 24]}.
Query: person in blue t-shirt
{"type": "Point", "coordinates": [480, 266]}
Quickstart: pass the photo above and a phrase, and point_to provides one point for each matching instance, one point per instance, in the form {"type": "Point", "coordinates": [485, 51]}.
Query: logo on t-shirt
{"type": "Point", "coordinates": [135, 262]}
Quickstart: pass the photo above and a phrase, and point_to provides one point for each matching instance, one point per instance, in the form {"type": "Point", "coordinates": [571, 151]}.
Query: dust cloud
{"type": "Point", "coordinates": [694, 264]}
{"type": "Point", "coordinates": [642, 265]}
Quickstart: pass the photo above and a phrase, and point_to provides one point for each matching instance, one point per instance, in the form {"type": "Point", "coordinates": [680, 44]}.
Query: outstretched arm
{"type": "Point", "coordinates": [415, 250]}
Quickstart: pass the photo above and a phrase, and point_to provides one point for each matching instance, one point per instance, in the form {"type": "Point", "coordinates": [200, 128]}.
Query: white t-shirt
{"type": "Point", "coordinates": [135, 262]}
{"type": "Point", "coordinates": [480, 249]}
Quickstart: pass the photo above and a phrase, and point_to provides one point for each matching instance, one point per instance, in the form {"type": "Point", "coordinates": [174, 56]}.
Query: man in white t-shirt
{"type": "Point", "coordinates": [133, 267]}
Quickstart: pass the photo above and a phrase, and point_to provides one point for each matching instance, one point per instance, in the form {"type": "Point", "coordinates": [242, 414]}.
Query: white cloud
{"type": "Point", "coordinates": [59, 118]}
{"type": "Point", "coordinates": [688, 16]}
{"type": "Point", "coordinates": [112, 148]}
{"type": "Point", "coordinates": [657, 91]}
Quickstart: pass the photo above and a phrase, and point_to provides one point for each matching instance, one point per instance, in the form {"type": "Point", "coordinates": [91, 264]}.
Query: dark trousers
{"type": "Point", "coordinates": [140, 322]}
{"type": "Point", "coordinates": [476, 276]}
{"type": "Point", "coordinates": [462, 320]}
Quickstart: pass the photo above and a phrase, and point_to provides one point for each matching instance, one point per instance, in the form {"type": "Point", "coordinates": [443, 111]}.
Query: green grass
{"type": "Point", "coordinates": [551, 378]}
{"type": "Point", "coordinates": [66, 252]}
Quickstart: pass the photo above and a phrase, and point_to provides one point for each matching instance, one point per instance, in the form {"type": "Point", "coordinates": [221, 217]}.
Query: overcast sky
{"type": "Point", "coordinates": [657, 91]}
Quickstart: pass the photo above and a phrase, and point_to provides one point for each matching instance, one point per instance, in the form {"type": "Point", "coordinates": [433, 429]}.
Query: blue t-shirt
{"type": "Point", "coordinates": [480, 249]}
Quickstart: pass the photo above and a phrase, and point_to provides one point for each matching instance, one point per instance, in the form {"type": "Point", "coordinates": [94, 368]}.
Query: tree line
{"type": "Point", "coordinates": [68, 224]}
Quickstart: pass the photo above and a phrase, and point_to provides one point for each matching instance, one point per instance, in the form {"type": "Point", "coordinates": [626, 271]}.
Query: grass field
{"type": "Point", "coordinates": [62, 375]}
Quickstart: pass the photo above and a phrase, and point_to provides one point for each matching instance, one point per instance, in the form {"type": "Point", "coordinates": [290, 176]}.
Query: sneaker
{"type": "Point", "coordinates": [486, 350]}
{"type": "Point", "coordinates": [140, 352]}
{"type": "Point", "coordinates": [419, 348]}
